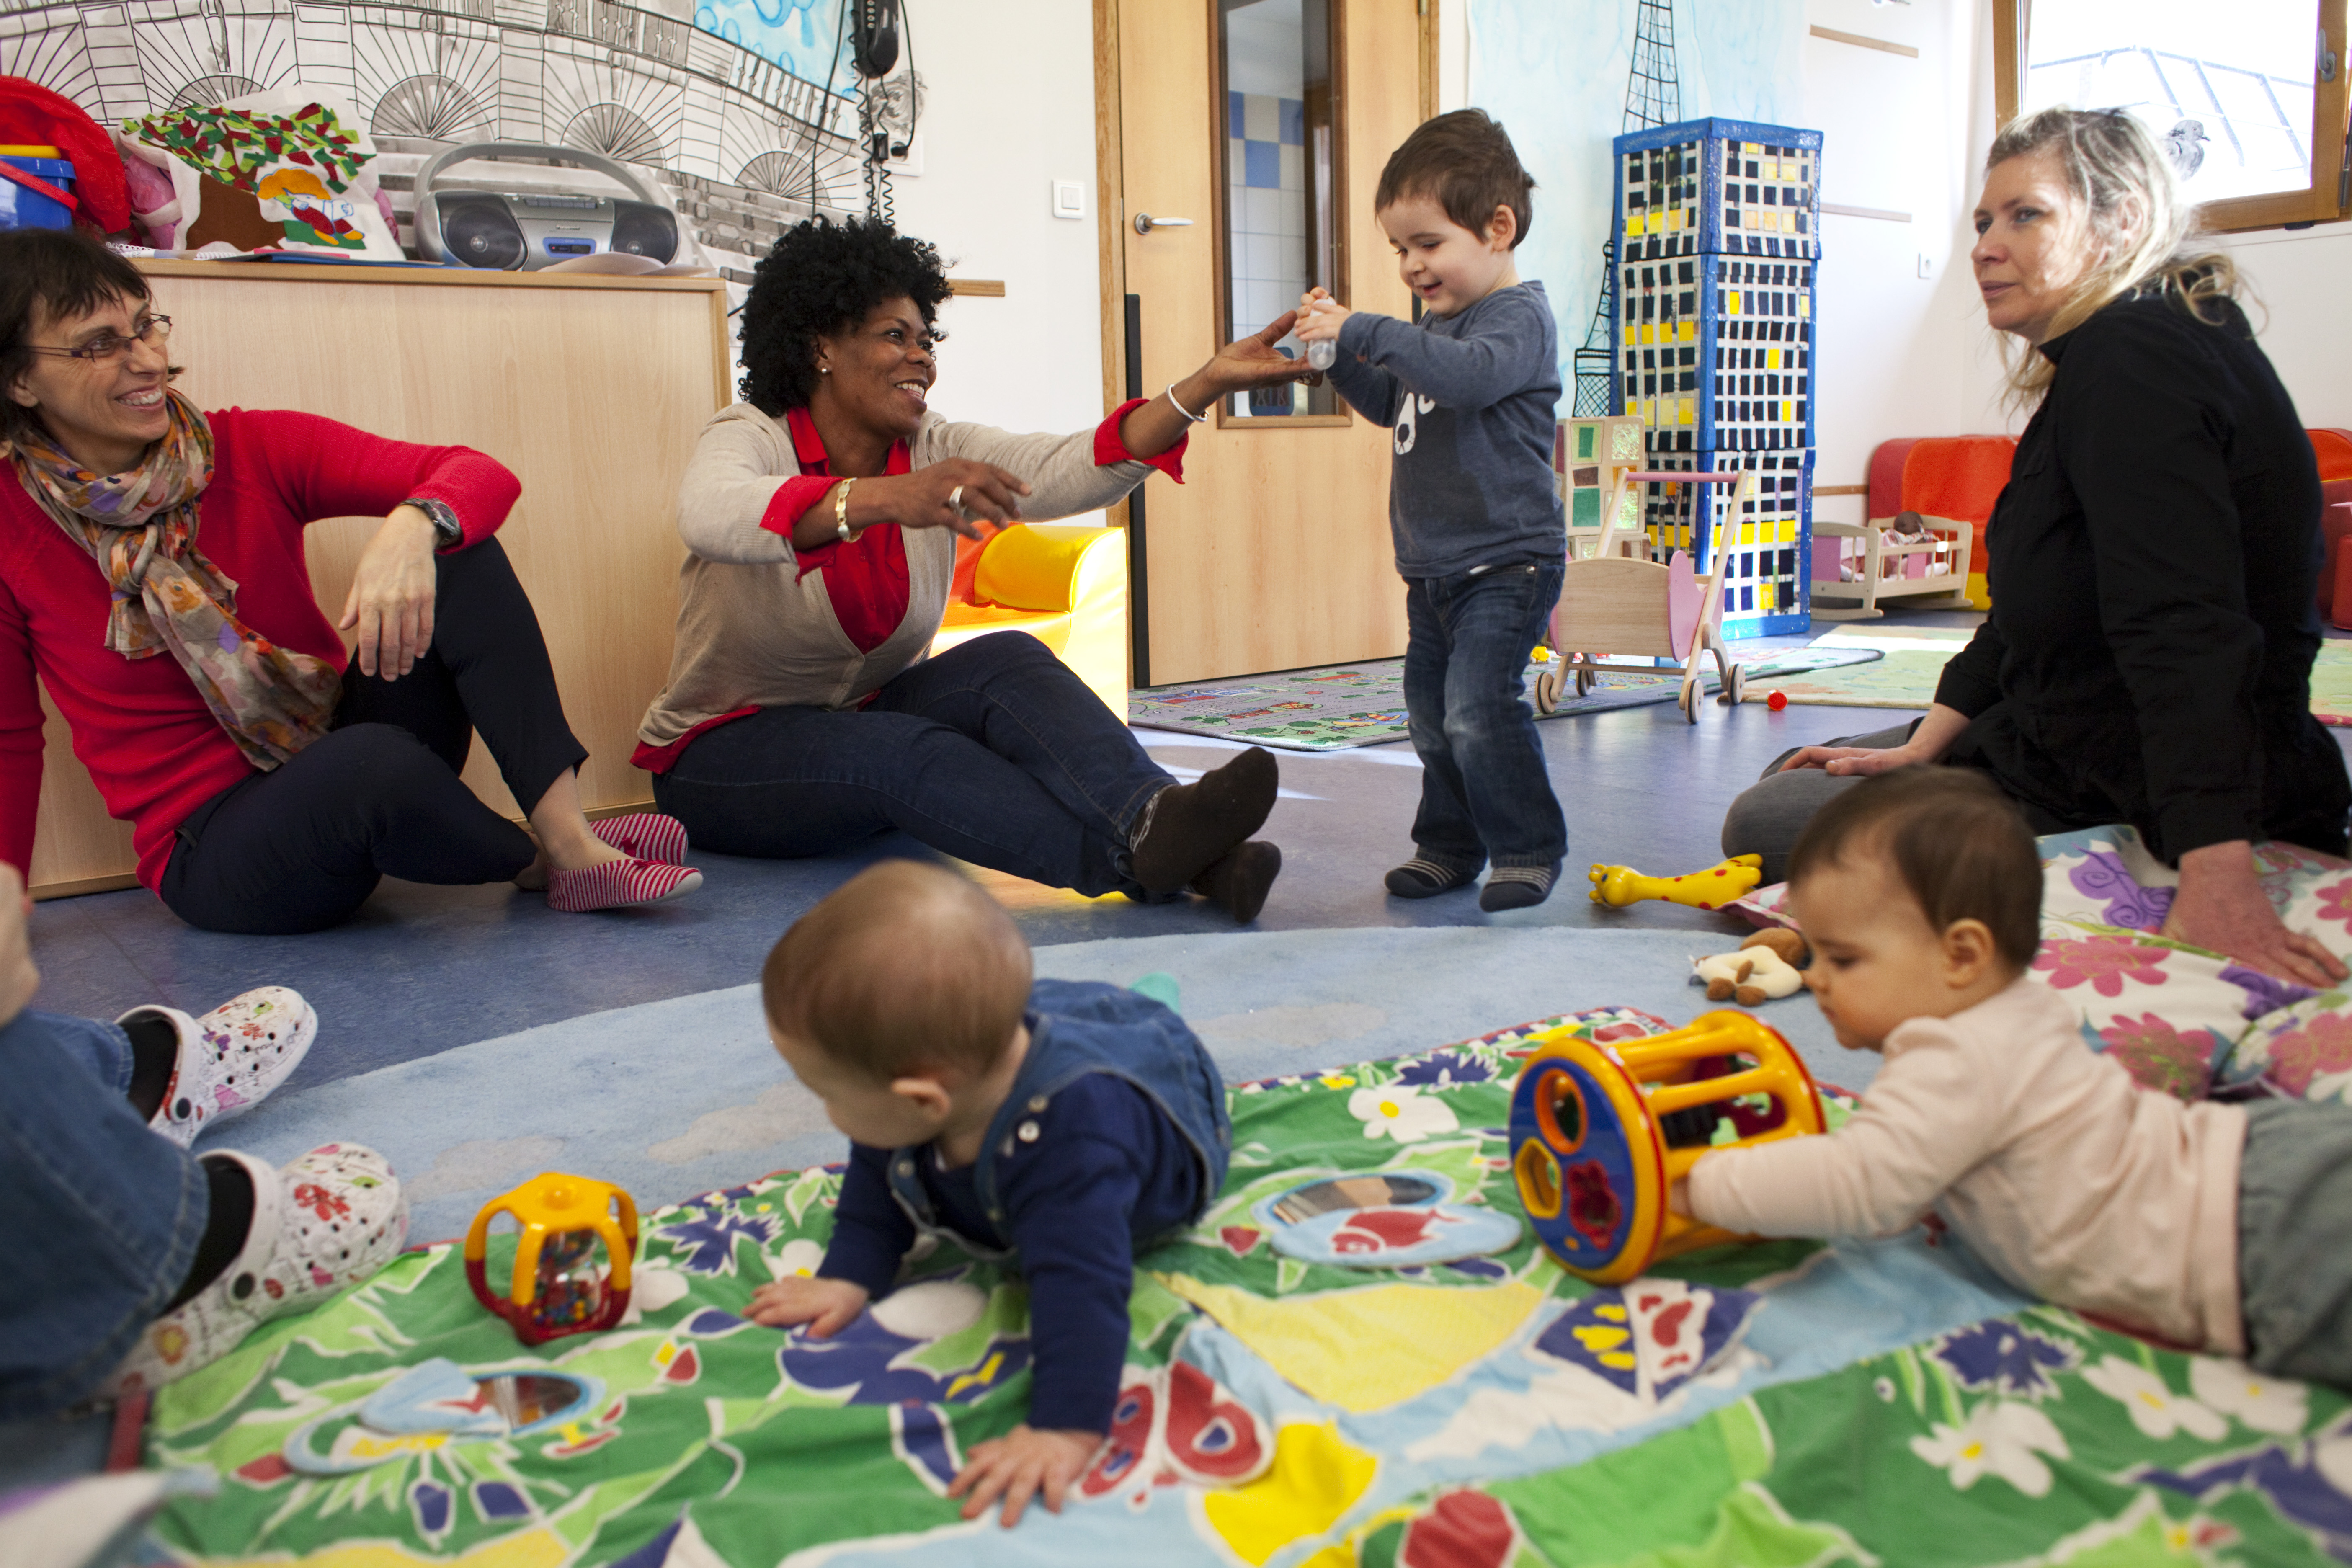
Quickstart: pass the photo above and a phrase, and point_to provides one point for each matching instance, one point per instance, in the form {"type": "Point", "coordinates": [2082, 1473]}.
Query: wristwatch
{"type": "Point", "coordinates": [447, 532]}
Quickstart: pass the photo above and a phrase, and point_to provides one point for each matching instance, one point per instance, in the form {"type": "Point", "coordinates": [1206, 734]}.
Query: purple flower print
{"type": "Point", "coordinates": [2102, 875]}
{"type": "Point", "coordinates": [2265, 992]}
{"type": "Point", "coordinates": [2000, 1355]}
{"type": "Point", "coordinates": [707, 1235]}
{"type": "Point", "coordinates": [2105, 962]}
{"type": "Point", "coordinates": [1440, 1068]}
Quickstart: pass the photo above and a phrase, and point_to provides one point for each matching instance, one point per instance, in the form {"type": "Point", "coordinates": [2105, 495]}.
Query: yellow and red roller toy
{"type": "Point", "coordinates": [559, 1287]}
{"type": "Point", "coordinates": [1599, 1133]}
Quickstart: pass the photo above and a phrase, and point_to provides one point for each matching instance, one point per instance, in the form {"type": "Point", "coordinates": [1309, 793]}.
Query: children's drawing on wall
{"type": "Point", "coordinates": [802, 36]}
{"type": "Point", "coordinates": [1566, 76]}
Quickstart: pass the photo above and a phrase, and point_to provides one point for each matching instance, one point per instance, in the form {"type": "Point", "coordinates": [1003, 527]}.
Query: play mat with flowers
{"type": "Point", "coordinates": [1358, 1356]}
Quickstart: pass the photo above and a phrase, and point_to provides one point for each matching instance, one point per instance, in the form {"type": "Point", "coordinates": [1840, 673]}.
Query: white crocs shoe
{"type": "Point", "coordinates": [230, 1058]}
{"type": "Point", "coordinates": [320, 1224]}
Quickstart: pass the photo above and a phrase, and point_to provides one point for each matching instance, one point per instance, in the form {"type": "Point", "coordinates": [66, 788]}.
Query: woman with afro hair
{"type": "Point", "coordinates": [820, 514]}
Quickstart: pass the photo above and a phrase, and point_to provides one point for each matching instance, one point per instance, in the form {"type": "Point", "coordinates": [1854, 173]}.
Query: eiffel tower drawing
{"type": "Point", "coordinates": [1653, 96]}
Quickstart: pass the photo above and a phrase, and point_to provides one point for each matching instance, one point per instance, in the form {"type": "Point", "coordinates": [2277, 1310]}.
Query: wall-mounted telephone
{"type": "Point", "coordinates": [874, 37]}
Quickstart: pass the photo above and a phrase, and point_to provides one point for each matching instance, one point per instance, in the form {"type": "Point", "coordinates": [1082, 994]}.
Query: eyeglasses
{"type": "Point", "coordinates": [107, 348]}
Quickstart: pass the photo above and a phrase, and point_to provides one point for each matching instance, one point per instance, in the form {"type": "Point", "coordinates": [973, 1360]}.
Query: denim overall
{"type": "Point", "coordinates": [1077, 1029]}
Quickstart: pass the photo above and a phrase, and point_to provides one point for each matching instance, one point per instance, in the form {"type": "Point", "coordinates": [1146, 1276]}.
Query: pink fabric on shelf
{"type": "Point", "coordinates": [151, 192]}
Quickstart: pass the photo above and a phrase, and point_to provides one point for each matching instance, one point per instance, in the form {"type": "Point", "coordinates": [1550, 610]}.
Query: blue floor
{"type": "Point", "coordinates": [424, 969]}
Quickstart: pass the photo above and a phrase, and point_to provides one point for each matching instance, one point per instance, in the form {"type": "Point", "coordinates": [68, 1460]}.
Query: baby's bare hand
{"type": "Point", "coordinates": [1021, 1464]}
{"type": "Point", "coordinates": [827, 1306]}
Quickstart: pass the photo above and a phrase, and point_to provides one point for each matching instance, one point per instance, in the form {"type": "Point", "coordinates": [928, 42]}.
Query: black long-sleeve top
{"type": "Point", "coordinates": [2153, 559]}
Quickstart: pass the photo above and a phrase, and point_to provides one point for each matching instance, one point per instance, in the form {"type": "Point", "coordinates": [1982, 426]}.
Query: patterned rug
{"type": "Point", "coordinates": [1904, 675]}
{"type": "Point", "coordinates": [1914, 661]}
{"type": "Point", "coordinates": [1349, 705]}
{"type": "Point", "coordinates": [1358, 1357]}
{"type": "Point", "coordinates": [2331, 684]}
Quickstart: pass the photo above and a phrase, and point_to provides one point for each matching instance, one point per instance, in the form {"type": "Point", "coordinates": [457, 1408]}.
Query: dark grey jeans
{"type": "Point", "coordinates": [1769, 813]}
{"type": "Point", "coordinates": [2295, 1212]}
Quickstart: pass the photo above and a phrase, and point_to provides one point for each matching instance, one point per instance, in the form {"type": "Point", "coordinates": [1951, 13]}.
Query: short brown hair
{"type": "Point", "coordinates": [50, 275]}
{"type": "Point", "coordinates": [1466, 162]}
{"type": "Point", "coordinates": [906, 967]}
{"type": "Point", "coordinates": [1961, 847]}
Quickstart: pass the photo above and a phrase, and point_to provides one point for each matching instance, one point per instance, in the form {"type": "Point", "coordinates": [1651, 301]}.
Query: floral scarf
{"type": "Point", "coordinates": [141, 528]}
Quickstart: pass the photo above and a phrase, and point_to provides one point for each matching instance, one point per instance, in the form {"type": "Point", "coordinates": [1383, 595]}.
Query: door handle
{"type": "Point", "coordinates": [1145, 223]}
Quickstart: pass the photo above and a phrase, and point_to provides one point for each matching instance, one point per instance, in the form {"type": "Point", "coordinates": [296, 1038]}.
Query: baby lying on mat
{"type": "Point", "coordinates": [1061, 1126]}
{"type": "Point", "coordinates": [2208, 1226]}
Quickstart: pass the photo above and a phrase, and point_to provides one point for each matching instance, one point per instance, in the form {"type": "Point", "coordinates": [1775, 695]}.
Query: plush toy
{"type": "Point", "coordinates": [1762, 968]}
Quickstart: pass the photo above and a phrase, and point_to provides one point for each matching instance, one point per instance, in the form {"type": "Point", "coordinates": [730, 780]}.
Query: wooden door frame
{"type": "Point", "coordinates": [1110, 189]}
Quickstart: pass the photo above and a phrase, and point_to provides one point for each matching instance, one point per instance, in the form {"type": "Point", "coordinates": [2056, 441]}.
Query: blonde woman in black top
{"type": "Point", "coordinates": [2154, 558]}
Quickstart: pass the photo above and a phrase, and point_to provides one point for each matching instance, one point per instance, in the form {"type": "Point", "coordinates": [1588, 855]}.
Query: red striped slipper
{"type": "Point", "coordinates": [618, 883]}
{"type": "Point", "coordinates": [644, 835]}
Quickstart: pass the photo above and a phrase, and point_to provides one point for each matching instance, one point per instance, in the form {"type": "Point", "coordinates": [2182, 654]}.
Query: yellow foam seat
{"type": "Point", "coordinates": [1064, 584]}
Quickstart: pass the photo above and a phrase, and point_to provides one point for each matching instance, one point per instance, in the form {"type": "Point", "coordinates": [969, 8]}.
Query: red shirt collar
{"type": "Point", "coordinates": [808, 447]}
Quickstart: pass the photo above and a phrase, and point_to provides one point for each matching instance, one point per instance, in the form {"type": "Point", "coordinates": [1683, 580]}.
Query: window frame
{"type": "Point", "coordinates": [2323, 200]}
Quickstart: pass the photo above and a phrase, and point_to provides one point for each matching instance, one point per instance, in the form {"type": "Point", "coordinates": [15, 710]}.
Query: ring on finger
{"type": "Point", "coordinates": [955, 499]}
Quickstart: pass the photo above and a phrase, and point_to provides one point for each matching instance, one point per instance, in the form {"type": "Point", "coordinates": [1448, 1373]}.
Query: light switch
{"type": "Point", "coordinates": [1069, 198]}
{"type": "Point", "coordinates": [1926, 265]}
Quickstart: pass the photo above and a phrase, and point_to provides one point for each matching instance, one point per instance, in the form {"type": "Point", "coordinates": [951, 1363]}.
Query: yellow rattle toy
{"type": "Point", "coordinates": [1719, 884]}
{"type": "Point", "coordinates": [559, 1287]}
{"type": "Point", "coordinates": [1600, 1133]}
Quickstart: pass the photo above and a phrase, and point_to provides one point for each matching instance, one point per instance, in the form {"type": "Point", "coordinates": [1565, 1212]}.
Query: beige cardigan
{"type": "Point", "coordinates": [2069, 1179]}
{"type": "Point", "coordinates": [753, 633]}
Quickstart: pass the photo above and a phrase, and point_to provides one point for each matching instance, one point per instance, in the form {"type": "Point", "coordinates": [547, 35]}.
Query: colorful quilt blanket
{"type": "Point", "coordinates": [1358, 1356]}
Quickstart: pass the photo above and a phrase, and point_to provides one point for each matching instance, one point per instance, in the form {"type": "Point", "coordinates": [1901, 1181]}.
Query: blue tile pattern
{"type": "Point", "coordinates": [1262, 165]}
{"type": "Point", "coordinates": [1293, 122]}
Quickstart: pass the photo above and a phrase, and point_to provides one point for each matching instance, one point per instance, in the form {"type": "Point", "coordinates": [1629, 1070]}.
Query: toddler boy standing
{"type": "Point", "coordinates": [1060, 1126]}
{"type": "Point", "coordinates": [1470, 392]}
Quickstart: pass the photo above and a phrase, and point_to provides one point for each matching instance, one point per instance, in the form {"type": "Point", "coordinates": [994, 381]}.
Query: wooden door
{"type": "Point", "coordinates": [1275, 552]}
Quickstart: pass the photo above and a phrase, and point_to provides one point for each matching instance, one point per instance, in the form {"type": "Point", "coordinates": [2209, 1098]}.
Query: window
{"type": "Point", "coordinates": [2253, 106]}
{"type": "Point", "coordinates": [1282, 219]}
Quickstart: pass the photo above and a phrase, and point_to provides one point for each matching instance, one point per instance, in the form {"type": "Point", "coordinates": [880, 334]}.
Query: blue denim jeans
{"type": "Point", "coordinates": [1484, 794]}
{"type": "Point", "coordinates": [995, 753]}
{"type": "Point", "coordinates": [99, 1218]}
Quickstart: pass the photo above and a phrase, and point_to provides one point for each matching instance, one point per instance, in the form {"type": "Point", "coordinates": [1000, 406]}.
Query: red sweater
{"type": "Point", "coordinates": [151, 745]}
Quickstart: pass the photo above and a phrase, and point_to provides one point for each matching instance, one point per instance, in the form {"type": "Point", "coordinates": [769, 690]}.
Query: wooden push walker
{"type": "Point", "coordinates": [1601, 1133]}
{"type": "Point", "coordinates": [1619, 601]}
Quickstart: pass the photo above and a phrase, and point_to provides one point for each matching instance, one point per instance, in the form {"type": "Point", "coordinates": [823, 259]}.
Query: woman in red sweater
{"type": "Point", "coordinates": [152, 574]}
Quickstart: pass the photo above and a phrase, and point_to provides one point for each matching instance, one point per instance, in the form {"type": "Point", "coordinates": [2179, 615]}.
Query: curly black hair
{"type": "Point", "coordinates": [823, 278]}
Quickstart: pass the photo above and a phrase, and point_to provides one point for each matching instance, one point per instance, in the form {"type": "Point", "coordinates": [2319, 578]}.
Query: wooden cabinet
{"type": "Point", "coordinates": [592, 389]}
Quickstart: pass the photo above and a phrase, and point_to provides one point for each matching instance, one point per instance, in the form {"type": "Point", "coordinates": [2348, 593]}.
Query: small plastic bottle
{"type": "Point", "coordinates": [1322, 352]}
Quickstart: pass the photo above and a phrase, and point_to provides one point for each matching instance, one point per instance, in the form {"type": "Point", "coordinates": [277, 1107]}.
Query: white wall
{"type": "Point", "coordinates": [1899, 354]}
{"type": "Point", "coordinates": [1009, 107]}
{"type": "Point", "coordinates": [2298, 310]}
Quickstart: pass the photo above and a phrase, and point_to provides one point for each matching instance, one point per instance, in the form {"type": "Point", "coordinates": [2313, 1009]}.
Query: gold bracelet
{"type": "Point", "coordinates": [841, 514]}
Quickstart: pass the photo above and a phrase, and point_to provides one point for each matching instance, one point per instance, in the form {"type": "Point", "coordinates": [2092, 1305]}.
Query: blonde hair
{"type": "Point", "coordinates": [907, 968]}
{"type": "Point", "coordinates": [2134, 213]}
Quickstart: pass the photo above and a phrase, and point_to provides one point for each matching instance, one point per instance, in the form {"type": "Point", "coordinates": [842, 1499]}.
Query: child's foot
{"type": "Point", "coordinates": [644, 835]}
{"type": "Point", "coordinates": [1422, 877]}
{"type": "Point", "coordinates": [1517, 888]}
{"type": "Point", "coordinates": [619, 883]}
{"type": "Point", "coordinates": [1194, 825]}
{"type": "Point", "coordinates": [226, 1062]}
{"type": "Point", "coordinates": [323, 1222]}
{"type": "Point", "coordinates": [1238, 882]}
